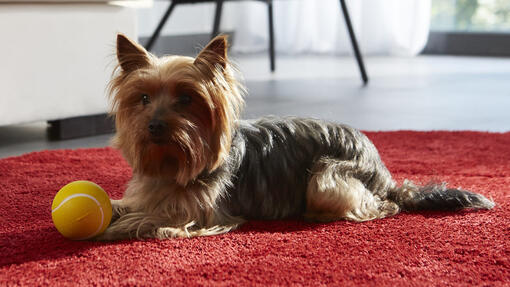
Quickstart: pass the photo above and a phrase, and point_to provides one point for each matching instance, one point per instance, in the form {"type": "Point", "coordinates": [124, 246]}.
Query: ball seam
{"type": "Point", "coordinates": [90, 197]}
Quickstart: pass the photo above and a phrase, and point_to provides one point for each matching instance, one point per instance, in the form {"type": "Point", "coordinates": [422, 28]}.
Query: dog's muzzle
{"type": "Point", "coordinates": [158, 130]}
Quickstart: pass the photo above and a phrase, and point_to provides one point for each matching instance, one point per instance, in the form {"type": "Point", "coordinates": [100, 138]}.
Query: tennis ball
{"type": "Point", "coordinates": [81, 210]}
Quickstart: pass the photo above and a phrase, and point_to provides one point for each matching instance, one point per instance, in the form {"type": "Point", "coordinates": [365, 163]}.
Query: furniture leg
{"type": "Point", "coordinates": [217, 18]}
{"type": "Point", "coordinates": [354, 42]}
{"type": "Point", "coordinates": [271, 34]}
{"type": "Point", "coordinates": [162, 22]}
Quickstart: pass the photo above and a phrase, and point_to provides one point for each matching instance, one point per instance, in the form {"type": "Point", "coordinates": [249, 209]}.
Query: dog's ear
{"type": "Point", "coordinates": [215, 53]}
{"type": "Point", "coordinates": [131, 56]}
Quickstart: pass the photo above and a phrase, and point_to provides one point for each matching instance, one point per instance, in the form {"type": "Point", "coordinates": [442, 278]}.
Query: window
{"type": "Point", "coordinates": [471, 15]}
{"type": "Point", "coordinates": [470, 27]}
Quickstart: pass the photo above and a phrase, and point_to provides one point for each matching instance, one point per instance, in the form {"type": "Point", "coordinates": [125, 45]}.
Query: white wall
{"type": "Point", "coordinates": [55, 61]}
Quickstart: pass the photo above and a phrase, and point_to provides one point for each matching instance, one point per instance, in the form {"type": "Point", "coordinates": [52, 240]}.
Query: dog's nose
{"type": "Point", "coordinates": [157, 128]}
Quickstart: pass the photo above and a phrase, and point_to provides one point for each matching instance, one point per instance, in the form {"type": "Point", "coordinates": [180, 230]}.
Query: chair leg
{"type": "Point", "coordinates": [217, 18]}
{"type": "Point", "coordinates": [271, 34]}
{"type": "Point", "coordinates": [354, 42]}
{"type": "Point", "coordinates": [162, 22]}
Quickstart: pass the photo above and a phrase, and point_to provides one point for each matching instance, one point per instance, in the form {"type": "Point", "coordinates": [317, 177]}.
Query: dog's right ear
{"type": "Point", "coordinates": [131, 56]}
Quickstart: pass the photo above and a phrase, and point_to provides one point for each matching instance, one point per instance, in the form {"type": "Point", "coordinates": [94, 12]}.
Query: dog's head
{"type": "Point", "coordinates": [174, 115]}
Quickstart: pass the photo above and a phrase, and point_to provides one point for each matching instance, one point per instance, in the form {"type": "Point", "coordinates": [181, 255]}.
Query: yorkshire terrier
{"type": "Point", "coordinates": [198, 169]}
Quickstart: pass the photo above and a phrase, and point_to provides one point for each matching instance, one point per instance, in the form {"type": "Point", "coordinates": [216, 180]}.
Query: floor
{"type": "Point", "coordinates": [421, 93]}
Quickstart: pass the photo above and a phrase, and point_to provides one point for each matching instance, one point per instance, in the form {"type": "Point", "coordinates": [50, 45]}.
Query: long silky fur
{"type": "Point", "coordinates": [223, 170]}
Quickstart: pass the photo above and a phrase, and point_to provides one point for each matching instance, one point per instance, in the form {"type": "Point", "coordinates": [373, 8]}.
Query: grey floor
{"type": "Point", "coordinates": [421, 93]}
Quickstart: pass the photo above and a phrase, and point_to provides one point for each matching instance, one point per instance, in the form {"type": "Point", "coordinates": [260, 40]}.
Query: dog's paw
{"type": "Point", "coordinates": [118, 209]}
{"type": "Point", "coordinates": [113, 233]}
{"type": "Point", "coordinates": [105, 236]}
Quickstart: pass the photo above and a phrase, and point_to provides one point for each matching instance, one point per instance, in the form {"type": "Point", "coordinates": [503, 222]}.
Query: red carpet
{"type": "Point", "coordinates": [426, 249]}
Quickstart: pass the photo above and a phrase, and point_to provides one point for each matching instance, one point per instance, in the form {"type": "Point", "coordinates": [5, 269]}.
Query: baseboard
{"type": "Point", "coordinates": [468, 43]}
{"type": "Point", "coordinates": [80, 127]}
{"type": "Point", "coordinates": [187, 45]}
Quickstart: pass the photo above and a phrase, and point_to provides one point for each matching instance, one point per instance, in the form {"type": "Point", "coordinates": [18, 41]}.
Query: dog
{"type": "Point", "coordinates": [198, 169]}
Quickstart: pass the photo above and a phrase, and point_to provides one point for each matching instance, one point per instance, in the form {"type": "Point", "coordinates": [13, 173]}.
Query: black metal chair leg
{"type": "Point", "coordinates": [217, 18]}
{"type": "Point", "coordinates": [354, 42]}
{"type": "Point", "coordinates": [162, 22]}
{"type": "Point", "coordinates": [271, 34]}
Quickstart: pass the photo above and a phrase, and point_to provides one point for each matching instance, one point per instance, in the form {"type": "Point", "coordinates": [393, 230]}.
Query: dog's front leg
{"type": "Point", "coordinates": [130, 225]}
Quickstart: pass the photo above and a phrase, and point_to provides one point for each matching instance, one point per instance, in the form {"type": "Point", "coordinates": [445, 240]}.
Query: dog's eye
{"type": "Point", "coordinates": [145, 99]}
{"type": "Point", "coordinates": [184, 99]}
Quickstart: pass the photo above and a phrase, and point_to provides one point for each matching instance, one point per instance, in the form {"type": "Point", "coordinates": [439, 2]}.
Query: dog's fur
{"type": "Point", "coordinates": [200, 170]}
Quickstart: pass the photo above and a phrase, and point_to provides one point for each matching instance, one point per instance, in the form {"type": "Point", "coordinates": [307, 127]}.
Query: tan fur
{"type": "Point", "coordinates": [162, 191]}
{"type": "Point", "coordinates": [201, 146]}
{"type": "Point", "coordinates": [161, 209]}
{"type": "Point", "coordinates": [334, 194]}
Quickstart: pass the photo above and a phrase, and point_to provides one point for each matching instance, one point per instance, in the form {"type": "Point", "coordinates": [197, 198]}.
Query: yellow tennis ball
{"type": "Point", "coordinates": [81, 210]}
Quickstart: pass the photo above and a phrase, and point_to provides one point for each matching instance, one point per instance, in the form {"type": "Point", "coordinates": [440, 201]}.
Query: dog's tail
{"type": "Point", "coordinates": [410, 197]}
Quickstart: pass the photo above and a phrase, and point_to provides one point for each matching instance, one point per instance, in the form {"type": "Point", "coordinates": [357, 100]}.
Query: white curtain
{"type": "Point", "coordinates": [383, 27]}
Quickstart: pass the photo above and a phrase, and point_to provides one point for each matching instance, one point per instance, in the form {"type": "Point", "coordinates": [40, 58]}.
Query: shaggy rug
{"type": "Point", "coordinates": [427, 249]}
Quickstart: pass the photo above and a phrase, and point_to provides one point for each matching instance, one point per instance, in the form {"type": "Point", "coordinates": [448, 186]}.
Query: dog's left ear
{"type": "Point", "coordinates": [215, 53]}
